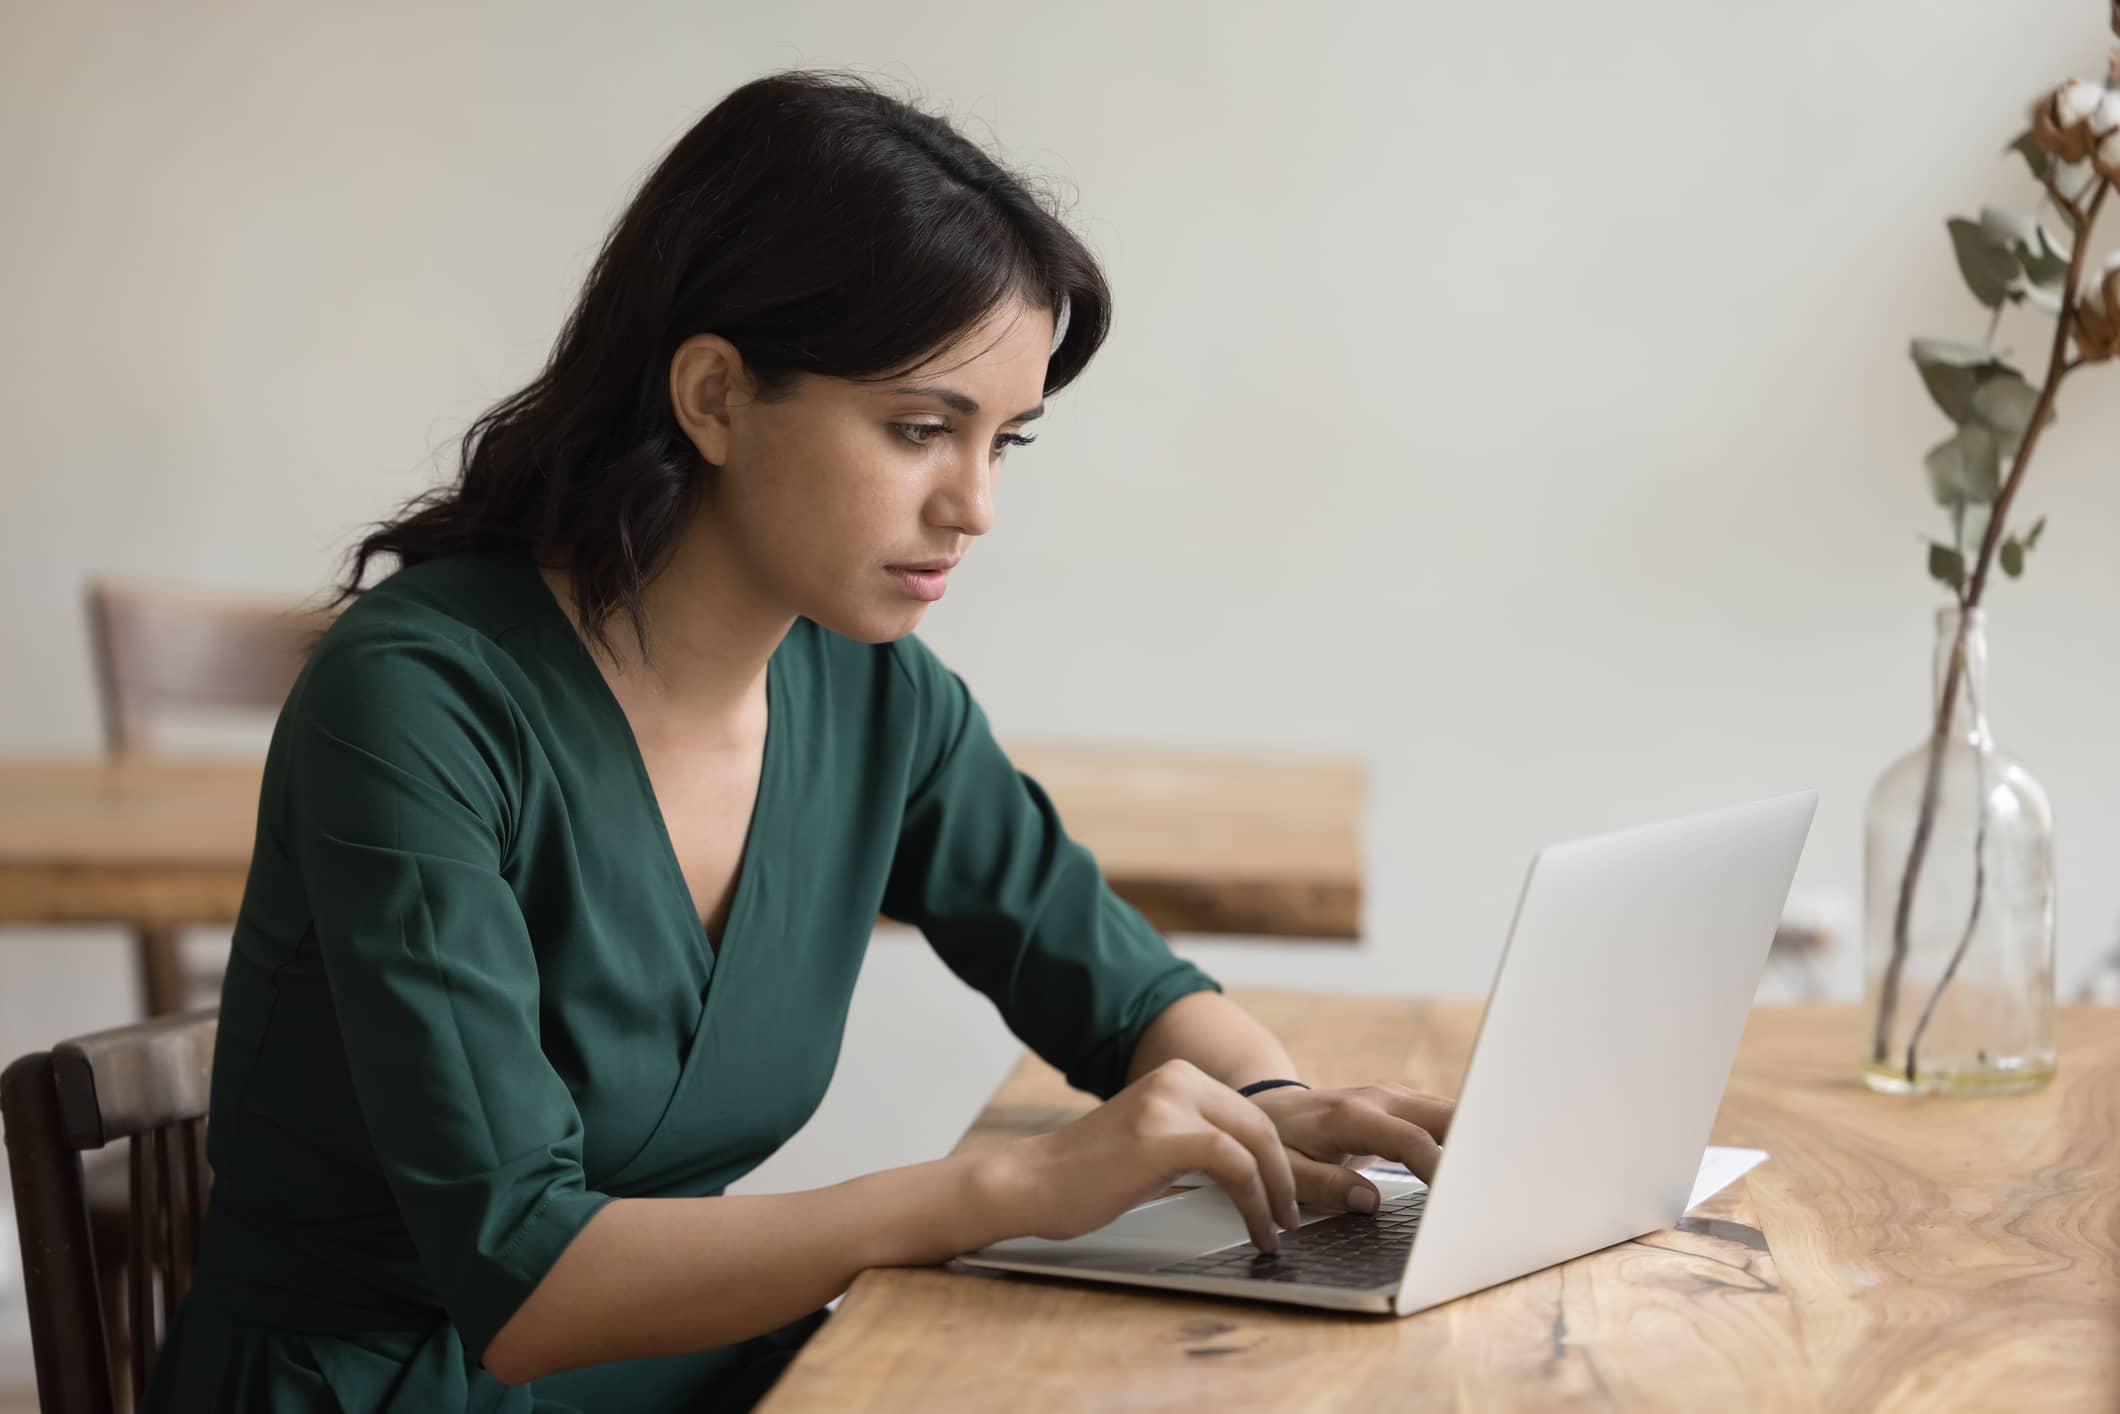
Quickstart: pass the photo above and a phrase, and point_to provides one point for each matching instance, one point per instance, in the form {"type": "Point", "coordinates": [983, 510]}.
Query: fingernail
{"type": "Point", "coordinates": [1363, 1200]}
{"type": "Point", "coordinates": [1290, 1217]}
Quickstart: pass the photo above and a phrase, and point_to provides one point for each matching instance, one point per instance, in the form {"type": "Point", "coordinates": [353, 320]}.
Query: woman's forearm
{"type": "Point", "coordinates": [662, 1276]}
{"type": "Point", "coordinates": [1215, 1034]}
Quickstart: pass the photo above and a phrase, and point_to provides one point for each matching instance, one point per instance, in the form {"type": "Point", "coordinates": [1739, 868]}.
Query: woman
{"type": "Point", "coordinates": [573, 830]}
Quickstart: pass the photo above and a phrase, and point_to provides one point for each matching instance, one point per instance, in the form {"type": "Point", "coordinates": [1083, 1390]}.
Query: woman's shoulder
{"type": "Point", "coordinates": [472, 595]}
{"type": "Point", "coordinates": [429, 641]}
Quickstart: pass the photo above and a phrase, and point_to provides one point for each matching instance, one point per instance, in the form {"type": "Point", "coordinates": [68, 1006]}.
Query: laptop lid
{"type": "Point", "coordinates": [1622, 990]}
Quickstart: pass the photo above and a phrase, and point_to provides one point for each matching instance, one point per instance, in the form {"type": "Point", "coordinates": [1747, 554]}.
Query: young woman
{"type": "Point", "coordinates": [574, 828]}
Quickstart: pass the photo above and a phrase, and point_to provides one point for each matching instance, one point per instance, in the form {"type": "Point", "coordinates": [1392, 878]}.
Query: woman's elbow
{"type": "Point", "coordinates": [511, 1356]}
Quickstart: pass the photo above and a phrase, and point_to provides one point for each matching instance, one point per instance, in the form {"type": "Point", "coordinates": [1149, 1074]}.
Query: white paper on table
{"type": "Point", "coordinates": [1719, 1168]}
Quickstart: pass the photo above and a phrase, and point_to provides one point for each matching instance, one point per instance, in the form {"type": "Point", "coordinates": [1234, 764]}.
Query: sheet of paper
{"type": "Point", "coordinates": [1719, 1168]}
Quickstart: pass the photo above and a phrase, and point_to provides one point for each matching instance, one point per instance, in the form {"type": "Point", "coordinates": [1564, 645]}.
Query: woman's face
{"type": "Point", "coordinates": [825, 499]}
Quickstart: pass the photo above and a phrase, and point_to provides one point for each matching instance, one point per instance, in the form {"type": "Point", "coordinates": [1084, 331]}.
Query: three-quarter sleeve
{"type": "Point", "coordinates": [1015, 906]}
{"type": "Point", "coordinates": [404, 777]}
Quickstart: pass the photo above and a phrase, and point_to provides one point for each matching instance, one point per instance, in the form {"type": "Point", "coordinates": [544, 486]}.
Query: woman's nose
{"type": "Point", "coordinates": [968, 502]}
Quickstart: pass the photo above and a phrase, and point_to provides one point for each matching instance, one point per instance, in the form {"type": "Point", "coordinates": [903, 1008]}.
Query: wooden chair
{"type": "Point", "coordinates": [147, 1084]}
{"type": "Point", "coordinates": [157, 651]}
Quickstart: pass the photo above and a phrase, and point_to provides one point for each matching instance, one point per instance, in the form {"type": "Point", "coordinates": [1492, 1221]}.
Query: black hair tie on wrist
{"type": "Point", "coordinates": [1257, 1085]}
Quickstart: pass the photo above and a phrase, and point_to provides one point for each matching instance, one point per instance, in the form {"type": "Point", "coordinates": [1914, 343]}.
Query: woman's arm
{"type": "Point", "coordinates": [1215, 1034]}
{"type": "Point", "coordinates": [655, 1276]}
{"type": "Point", "coordinates": [662, 1276]}
{"type": "Point", "coordinates": [1009, 901]}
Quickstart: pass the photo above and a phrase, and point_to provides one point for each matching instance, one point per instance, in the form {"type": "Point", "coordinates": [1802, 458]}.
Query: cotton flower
{"type": "Point", "coordinates": [2075, 101]}
{"type": "Point", "coordinates": [2098, 313]}
{"type": "Point", "coordinates": [2075, 119]}
{"type": "Point", "coordinates": [2106, 157]}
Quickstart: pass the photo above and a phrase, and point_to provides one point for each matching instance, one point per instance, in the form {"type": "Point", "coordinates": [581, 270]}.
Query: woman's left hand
{"type": "Point", "coordinates": [1324, 1130]}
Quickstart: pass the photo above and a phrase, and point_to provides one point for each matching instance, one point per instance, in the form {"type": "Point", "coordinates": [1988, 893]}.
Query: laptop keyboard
{"type": "Point", "coordinates": [1358, 1250]}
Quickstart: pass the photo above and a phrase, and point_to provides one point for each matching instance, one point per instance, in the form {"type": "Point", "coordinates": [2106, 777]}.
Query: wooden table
{"type": "Point", "coordinates": [1892, 1254]}
{"type": "Point", "coordinates": [1199, 843]}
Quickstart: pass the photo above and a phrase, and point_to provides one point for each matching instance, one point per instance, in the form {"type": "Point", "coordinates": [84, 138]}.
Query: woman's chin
{"type": "Point", "coordinates": [876, 623]}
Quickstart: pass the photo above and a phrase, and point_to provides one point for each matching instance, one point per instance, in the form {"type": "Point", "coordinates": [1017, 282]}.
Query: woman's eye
{"type": "Point", "coordinates": [921, 433]}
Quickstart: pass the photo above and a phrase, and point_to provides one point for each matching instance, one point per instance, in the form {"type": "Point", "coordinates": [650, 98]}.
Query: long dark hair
{"type": "Point", "coordinates": [818, 223]}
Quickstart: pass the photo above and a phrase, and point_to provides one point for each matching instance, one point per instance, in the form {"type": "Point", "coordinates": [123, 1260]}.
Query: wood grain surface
{"type": "Point", "coordinates": [1892, 1254]}
{"type": "Point", "coordinates": [1200, 843]}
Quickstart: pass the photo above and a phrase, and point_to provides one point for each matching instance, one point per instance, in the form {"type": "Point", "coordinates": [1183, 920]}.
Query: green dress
{"type": "Point", "coordinates": [470, 1000]}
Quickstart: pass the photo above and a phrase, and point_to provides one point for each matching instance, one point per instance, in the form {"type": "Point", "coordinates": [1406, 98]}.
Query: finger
{"type": "Point", "coordinates": [1359, 1124]}
{"type": "Point", "coordinates": [1334, 1186]}
{"type": "Point", "coordinates": [1225, 1159]}
{"type": "Point", "coordinates": [1431, 1112]}
{"type": "Point", "coordinates": [1255, 1129]}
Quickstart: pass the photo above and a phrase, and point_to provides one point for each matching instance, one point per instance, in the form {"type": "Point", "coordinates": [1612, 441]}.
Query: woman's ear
{"type": "Point", "coordinates": [707, 380]}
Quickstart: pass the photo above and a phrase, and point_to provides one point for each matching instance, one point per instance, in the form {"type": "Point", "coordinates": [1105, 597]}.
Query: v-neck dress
{"type": "Point", "coordinates": [470, 1000]}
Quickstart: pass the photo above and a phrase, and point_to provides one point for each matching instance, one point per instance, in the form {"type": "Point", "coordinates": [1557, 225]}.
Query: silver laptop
{"type": "Point", "coordinates": [1594, 1079]}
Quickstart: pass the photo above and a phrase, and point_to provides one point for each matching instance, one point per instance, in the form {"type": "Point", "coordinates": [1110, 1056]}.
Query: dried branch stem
{"type": "Point", "coordinates": [2058, 367]}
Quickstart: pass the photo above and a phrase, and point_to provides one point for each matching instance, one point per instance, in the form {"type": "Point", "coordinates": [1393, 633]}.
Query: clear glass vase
{"type": "Point", "coordinates": [1959, 969]}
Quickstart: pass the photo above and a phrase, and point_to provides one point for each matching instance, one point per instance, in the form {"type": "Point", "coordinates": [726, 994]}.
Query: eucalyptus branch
{"type": "Point", "coordinates": [1972, 918]}
{"type": "Point", "coordinates": [2059, 365]}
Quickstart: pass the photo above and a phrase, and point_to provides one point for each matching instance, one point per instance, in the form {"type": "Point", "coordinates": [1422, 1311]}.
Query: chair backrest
{"type": "Point", "coordinates": [158, 649]}
{"type": "Point", "coordinates": [146, 1084]}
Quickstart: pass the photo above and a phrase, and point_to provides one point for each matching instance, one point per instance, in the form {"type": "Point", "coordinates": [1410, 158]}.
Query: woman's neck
{"type": "Point", "coordinates": [701, 681]}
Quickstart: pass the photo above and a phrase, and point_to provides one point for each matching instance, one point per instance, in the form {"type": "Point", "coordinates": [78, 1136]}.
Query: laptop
{"type": "Point", "coordinates": [1594, 1079]}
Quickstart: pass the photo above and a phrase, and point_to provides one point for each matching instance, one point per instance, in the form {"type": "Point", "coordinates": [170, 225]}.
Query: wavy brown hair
{"type": "Point", "coordinates": [821, 225]}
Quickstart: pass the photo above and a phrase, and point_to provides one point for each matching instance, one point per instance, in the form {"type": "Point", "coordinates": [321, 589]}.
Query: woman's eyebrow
{"type": "Point", "coordinates": [962, 403]}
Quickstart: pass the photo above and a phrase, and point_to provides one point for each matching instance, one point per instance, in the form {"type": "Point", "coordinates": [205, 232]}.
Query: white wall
{"type": "Point", "coordinates": [1514, 395]}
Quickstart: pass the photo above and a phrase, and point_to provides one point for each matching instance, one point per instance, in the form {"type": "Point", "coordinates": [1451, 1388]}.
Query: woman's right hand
{"type": "Point", "coordinates": [1172, 1120]}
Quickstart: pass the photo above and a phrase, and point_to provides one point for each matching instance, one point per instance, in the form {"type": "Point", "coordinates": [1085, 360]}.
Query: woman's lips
{"type": "Point", "coordinates": [925, 585]}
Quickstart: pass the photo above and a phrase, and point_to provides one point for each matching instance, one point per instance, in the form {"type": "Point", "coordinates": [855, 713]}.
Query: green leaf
{"type": "Point", "coordinates": [1989, 269]}
{"type": "Point", "coordinates": [2038, 526]}
{"type": "Point", "coordinates": [2043, 300]}
{"type": "Point", "coordinates": [2004, 404]}
{"type": "Point", "coordinates": [1951, 371]}
{"type": "Point", "coordinates": [1948, 351]}
{"type": "Point", "coordinates": [1952, 388]}
{"type": "Point", "coordinates": [2045, 261]}
{"type": "Point", "coordinates": [2012, 557]}
{"type": "Point", "coordinates": [2005, 230]}
{"type": "Point", "coordinates": [1972, 520]}
{"type": "Point", "coordinates": [2035, 156]}
{"type": "Point", "coordinates": [1967, 466]}
{"type": "Point", "coordinates": [1947, 565]}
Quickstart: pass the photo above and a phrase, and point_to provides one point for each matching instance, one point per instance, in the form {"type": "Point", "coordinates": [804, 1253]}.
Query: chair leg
{"type": "Point", "coordinates": [162, 982]}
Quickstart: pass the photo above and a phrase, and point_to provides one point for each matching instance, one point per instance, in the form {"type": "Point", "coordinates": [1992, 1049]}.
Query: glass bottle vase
{"type": "Point", "coordinates": [1959, 968]}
